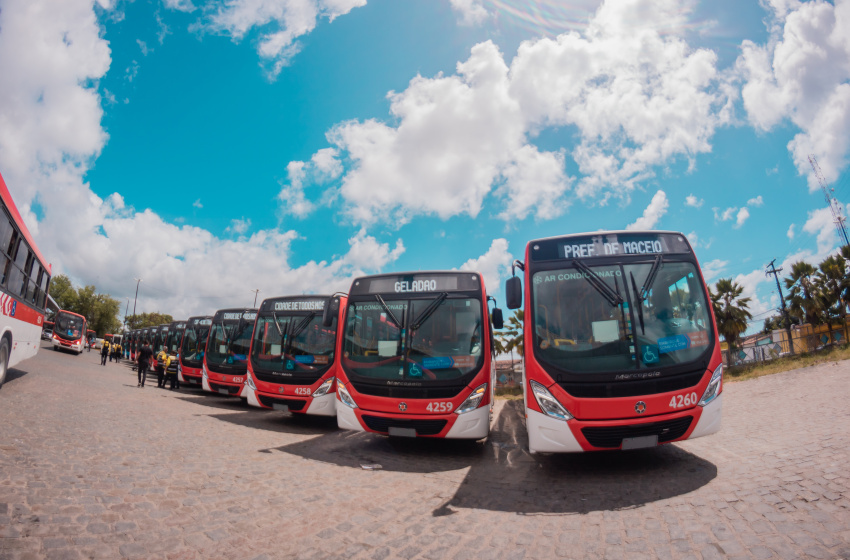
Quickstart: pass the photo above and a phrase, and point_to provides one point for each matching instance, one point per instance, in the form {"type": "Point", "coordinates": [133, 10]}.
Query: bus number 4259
{"type": "Point", "coordinates": [439, 407]}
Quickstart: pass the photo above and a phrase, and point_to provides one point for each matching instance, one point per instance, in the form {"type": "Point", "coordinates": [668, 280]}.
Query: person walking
{"type": "Point", "coordinates": [144, 361]}
{"type": "Point", "coordinates": [171, 372]}
{"type": "Point", "coordinates": [104, 352]}
{"type": "Point", "coordinates": [162, 360]}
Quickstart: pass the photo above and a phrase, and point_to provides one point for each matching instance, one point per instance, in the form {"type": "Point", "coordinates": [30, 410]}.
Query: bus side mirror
{"type": "Point", "coordinates": [498, 321]}
{"type": "Point", "coordinates": [330, 311]}
{"type": "Point", "coordinates": [513, 292]}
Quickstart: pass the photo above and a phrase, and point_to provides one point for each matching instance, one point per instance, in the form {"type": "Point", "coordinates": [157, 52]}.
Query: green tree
{"type": "Point", "coordinates": [100, 310]}
{"type": "Point", "coordinates": [142, 320]}
{"type": "Point", "coordinates": [802, 299]}
{"type": "Point", "coordinates": [730, 311]}
{"type": "Point", "coordinates": [832, 284]}
{"type": "Point", "coordinates": [62, 291]}
{"type": "Point", "coordinates": [510, 338]}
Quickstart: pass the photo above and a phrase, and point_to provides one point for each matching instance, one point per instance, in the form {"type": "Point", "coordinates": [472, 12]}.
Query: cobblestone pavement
{"type": "Point", "coordinates": [93, 467]}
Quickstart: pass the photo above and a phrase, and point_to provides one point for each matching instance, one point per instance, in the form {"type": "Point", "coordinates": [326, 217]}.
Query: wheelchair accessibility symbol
{"type": "Point", "coordinates": [650, 354]}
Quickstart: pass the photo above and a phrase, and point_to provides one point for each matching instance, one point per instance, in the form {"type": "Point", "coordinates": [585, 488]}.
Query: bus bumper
{"type": "Point", "coordinates": [323, 406]}
{"type": "Point", "coordinates": [316, 406]}
{"type": "Point", "coordinates": [549, 435]}
{"type": "Point", "coordinates": [347, 419]}
{"type": "Point", "coordinates": [472, 425]}
{"type": "Point", "coordinates": [709, 420]}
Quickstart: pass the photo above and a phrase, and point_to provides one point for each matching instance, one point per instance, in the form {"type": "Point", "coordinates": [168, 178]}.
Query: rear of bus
{"type": "Point", "coordinates": [292, 365]}
{"type": "Point", "coordinates": [192, 348]}
{"type": "Point", "coordinates": [226, 355]}
{"type": "Point", "coordinates": [417, 356]}
{"type": "Point", "coordinates": [620, 342]}
{"type": "Point", "coordinates": [69, 331]}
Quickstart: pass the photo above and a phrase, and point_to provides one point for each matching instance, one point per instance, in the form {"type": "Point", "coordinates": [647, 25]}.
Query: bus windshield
{"type": "Point", "coordinates": [585, 325]}
{"type": "Point", "coordinates": [229, 344]}
{"type": "Point", "coordinates": [194, 344]}
{"type": "Point", "coordinates": [69, 327]}
{"type": "Point", "coordinates": [172, 344]}
{"type": "Point", "coordinates": [293, 343]}
{"type": "Point", "coordinates": [433, 339]}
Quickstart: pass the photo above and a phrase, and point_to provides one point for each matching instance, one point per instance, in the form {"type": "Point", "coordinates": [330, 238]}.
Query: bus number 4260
{"type": "Point", "coordinates": [678, 401]}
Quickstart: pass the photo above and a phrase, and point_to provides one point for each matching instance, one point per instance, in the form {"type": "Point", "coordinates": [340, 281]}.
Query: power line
{"type": "Point", "coordinates": [834, 206]}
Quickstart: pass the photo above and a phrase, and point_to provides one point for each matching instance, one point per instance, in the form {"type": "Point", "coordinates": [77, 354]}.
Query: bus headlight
{"type": "Point", "coordinates": [714, 386]}
{"type": "Point", "coordinates": [324, 388]}
{"type": "Point", "coordinates": [473, 400]}
{"type": "Point", "coordinates": [344, 396]}
{"type": "Point", "coordinates": [547, 403]}
{"type": "Point", "coordinates": [249, 381]}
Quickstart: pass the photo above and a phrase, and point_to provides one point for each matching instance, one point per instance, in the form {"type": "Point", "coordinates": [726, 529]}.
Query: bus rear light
{"type": "Point", "coordinates": [473, 400]}
{"type": "Point", "coordinates": [714, 386]}
{"type": "Point", "coordinates": [344, 396]}
{"type": "Point", "coordinates": [547, 403]}
{"type": "Point", "coordinates": [324, 388]}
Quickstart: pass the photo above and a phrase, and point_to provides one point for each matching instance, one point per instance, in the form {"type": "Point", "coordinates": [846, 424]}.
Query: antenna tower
{"type": "Point", "coordinates": [834, 206]}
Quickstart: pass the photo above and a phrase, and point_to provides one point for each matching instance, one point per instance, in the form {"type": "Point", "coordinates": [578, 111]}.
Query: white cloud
{"type": "Point", "coordinates": [743, 215]}
{"type": "Point", "coordinates": [790, 233]}
{"type": "Point", "coordinates": [757, 201]}
{"type": "Point", "coordinates": [52, 53]}
{"type": "Point", "coordinates": [239, 226]}
{"type": "Point", "coordinates": [802, 75]}
{"type": "Point", "coordinates": [638, 95]}
{"type": "Point", "coordinates": [713, 269]}
{"type": "Point", "coordinates": [143, 47]}
{"type": "Point", "coordinates": [693, 238]}
{"type": "Point", "coordinates": [180, 5]}
{"type": "Point", "coordinates": [494, 265]}
{"type": "Point", "coordinates": [197, 204]}
{"type": "Point", "coordinates": [322, 167]}
{"type": "Point", "coordinates": [656, 209]}
{"type": "Point", "coordinates": [282, 22]}
{"type": "Point", "coordinates": [693, 201]}
{"type": "Point", "coordinates": [471, 11]}
{"type": "Point", "coordinates": [724, 216]}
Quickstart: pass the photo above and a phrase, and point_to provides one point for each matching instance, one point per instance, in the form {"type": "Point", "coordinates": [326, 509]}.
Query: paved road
{"type": "Point", "coordinates": [93, 467]}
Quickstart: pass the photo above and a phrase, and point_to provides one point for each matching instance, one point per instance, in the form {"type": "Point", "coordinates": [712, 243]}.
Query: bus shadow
{"type": "Point", "coordinates": [213, 400]}
{"type": "Point", "coordinates": [261, 419]}
{"type": "Point", "coordinates": [513, 480]}
{"type": "Point", "coordinates": [360, 450]}
{"type": "Point", "coordinates": [13, 374]}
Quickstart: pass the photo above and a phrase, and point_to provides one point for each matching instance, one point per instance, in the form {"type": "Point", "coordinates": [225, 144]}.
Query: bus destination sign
{"type": "Point", "coordinates": [300, 305]}
{"type": "Point", "coordinates": [416, 284]}
{"type": "Point", "coordinates": [609, 245]}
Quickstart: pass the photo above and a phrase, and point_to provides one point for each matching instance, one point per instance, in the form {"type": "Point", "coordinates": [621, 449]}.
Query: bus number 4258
{"type": "Point", "coordinates": [678, 401]}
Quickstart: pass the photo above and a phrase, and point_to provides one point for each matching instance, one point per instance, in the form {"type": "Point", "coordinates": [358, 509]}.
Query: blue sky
{"type": "Point", "coordinates": [211, 148]}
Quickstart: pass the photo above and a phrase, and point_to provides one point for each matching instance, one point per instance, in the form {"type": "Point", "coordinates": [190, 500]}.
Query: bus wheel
{"type": "Point", "coordinates": [4, 361]}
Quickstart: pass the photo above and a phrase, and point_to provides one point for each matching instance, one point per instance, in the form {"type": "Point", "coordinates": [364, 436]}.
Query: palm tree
{"type": "Point", "coordinates": [511, 336]}
{"type": "Point", "coordinates": [730, 312]}
{"type": "Point", "coordinates": [832, 283]}
{"type": "Point", "coordinates": [802, 299]}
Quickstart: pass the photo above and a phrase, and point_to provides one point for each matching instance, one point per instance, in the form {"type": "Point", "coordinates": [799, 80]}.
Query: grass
{"type": "Point", "coordinates": [509, 393]}
{"type": "Point", "coordinates": [751, 371]}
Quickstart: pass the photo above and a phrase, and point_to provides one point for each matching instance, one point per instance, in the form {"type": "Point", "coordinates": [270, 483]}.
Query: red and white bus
{"type": "Point", "coordinates": [226, 356]}
{"type": "Point", "coordinates": [23, 287]}
{"type": "Point", "coordinates": [292, 366]}
{"type": "Point", "coordinates": [417, 356]}
{"type": "Point", "coordinates": [621, 347]}
{"type": "Point", "coordinates": [69, 331]}
{"type": "Point", "coordinates": [192, 349]}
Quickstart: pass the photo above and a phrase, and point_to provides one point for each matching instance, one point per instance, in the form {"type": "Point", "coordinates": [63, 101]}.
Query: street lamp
{"type": "Point", "coordinates": [257, 291]}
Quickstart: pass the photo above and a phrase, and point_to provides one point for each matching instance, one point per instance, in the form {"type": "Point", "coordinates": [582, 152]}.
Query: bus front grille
{"type": "Point", "coordinates": [616, 389]}
{"type": "Point", "coordinates": [231, 389]}
{"type": "Point", "coordinates": [407, 392]}
{"type": "Point", "coordinates": [422, 427]}
{"type": "Point", "coordinates": [612, 436]}
{"type": "Point", "coordinates": [293, 404]}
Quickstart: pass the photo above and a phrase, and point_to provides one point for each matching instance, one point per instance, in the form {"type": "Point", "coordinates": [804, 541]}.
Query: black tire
{"type": "Point", "coordinates": [4, 361]}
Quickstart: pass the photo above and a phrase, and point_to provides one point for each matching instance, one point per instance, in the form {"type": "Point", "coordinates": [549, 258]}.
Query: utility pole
{"type": "Point", "coordinates": [138, 281]}
{"type": "Point", "coordinates": [257, 291]}
{"type": "Point", "coordinates": [834, 206]}
{"type": "Point", "coordinates": [126, 309]}
{"type": "Point", "coordinates": [775, 272]}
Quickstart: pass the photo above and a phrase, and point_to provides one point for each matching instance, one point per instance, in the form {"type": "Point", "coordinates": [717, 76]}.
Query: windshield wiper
{"type": "Point", "coordinates": [428, 311]}
{"type": "Point", "coordinates": [604, 289]}
{"type": "Point", "coordinates": [390, 314]}
{"type": "Point", "coordinates": [277, 324]}
{"type": "Point", "coordinates": [650, 278]}
{"type": "Point", "coordinates": [301, 326]}
{"type": "Point", "coordinates": [639, 304]}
